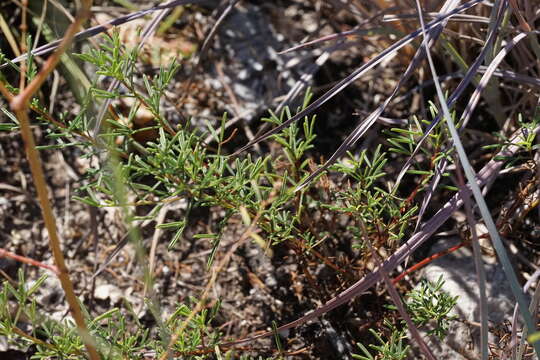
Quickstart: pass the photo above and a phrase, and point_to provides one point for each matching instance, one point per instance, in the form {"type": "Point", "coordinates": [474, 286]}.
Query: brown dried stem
{"type": "Point", "coordinates": [19, 104]}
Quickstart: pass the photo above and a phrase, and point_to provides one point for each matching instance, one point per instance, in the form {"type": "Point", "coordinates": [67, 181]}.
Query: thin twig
{"type": "Point", "coordinates": [19, 105]}
{"type": "Point", "coordinates": [252, 228]}
{"type": "Point", "coordinates": [27, 260]}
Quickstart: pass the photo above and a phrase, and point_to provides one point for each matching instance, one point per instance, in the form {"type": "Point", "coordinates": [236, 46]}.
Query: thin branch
{"type": "Point", "coordinates": [27, 260]}
{"type": "Point", "coordinates": [19, 104]}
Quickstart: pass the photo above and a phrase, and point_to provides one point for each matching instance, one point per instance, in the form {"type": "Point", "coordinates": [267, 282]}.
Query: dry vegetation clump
{"type": "Point", "coordinates": [243, 179]}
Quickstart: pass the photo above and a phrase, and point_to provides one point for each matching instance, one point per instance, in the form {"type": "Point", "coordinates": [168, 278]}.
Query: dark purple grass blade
{"type": "Point", "coordinates": [439, 171]}
{"type": "Point", "coordinates": [469, 110]}
{"type": "Point", "coordinates": [98, 29]}
{"type": "Point", "coordinates": [504, 74]}
{"type": "Point", "coordinates": [213, 31]}
{"type": "Point", "coordinates": [361, 129]}
{"type": "Point", "coordinates": [475, 97]}
{"type": "Point", "coordinates": [204, 48]}
{"type": "Point", "coordinates": [306, 77]}
{"type": "Point", "coordinates": [340, 35]}
{"type": "Point", "coordinates": [121, 244]}
{"type": "Point", "coordinates": [510, 75]}
{"type": "Point", "coordinates": [357, 74]}
{"type": "Point", "coordinates": [451, 100]}
{"type": "Point", "coordinates": [357, 30]}
{"type": "Point", "coordinates": [461, 18]}
{"type": "Point", "coordinates": [396, 298]}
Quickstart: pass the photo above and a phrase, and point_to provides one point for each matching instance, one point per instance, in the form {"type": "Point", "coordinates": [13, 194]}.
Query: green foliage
{"type": "Point", "coordinates": [404, 141]}
{"type": "Point", "coordinates": [294, 147]}
{"type": "Point", "coordinates": [118, 333]}
{"type": "Point", "coordinates": [528, 143]}
{"type": "Point", "coordinates": [428, 306]}
{"type": "Point", "coordinates": [394, 348]}
{"type": "Point", "coordinates": [383, 213]}
{"type": "Point", "coordinates": [177, 164]}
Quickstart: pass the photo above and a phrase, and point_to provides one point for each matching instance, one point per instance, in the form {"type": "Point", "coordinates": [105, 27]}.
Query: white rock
{"type": "Point", "coordinates": [108, 291]}
{"type": "Point", "coordinates": [459, 273]}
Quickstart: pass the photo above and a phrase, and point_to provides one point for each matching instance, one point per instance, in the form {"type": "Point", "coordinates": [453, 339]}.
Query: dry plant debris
{"type": "Point", "coordinates": [180, 245]}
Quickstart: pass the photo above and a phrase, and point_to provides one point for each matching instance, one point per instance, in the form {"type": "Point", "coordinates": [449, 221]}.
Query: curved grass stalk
{"type": "Point", "coordinates": [470, 175]}
{"type": "Point", "coordinates": [355, 75]}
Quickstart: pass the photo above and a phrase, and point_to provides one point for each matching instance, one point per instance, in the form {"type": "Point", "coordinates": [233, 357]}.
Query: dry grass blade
{"type": "Point", "coordinates": [469, 172]}
{"type": "Point", "coordinates": [98, 29]}
{"type": "Point", "coordinates": [522, 23]}
{"type": "Point", "coordinates": [511, 75]}
{"type": "Point", "coordinates": [353, 77]}
{"type": "Point", "coordinates": [344, 34]}
{"type": "Point", "coordinates": [461, 18]}
{"type": "Point", "coordinates": [9, 36]}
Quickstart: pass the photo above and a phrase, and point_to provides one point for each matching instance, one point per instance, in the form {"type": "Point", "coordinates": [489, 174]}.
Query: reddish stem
{"type": "Point", "coordinates": [29, 261]}
{"type": "Point", "coordinates": [426, 261]}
